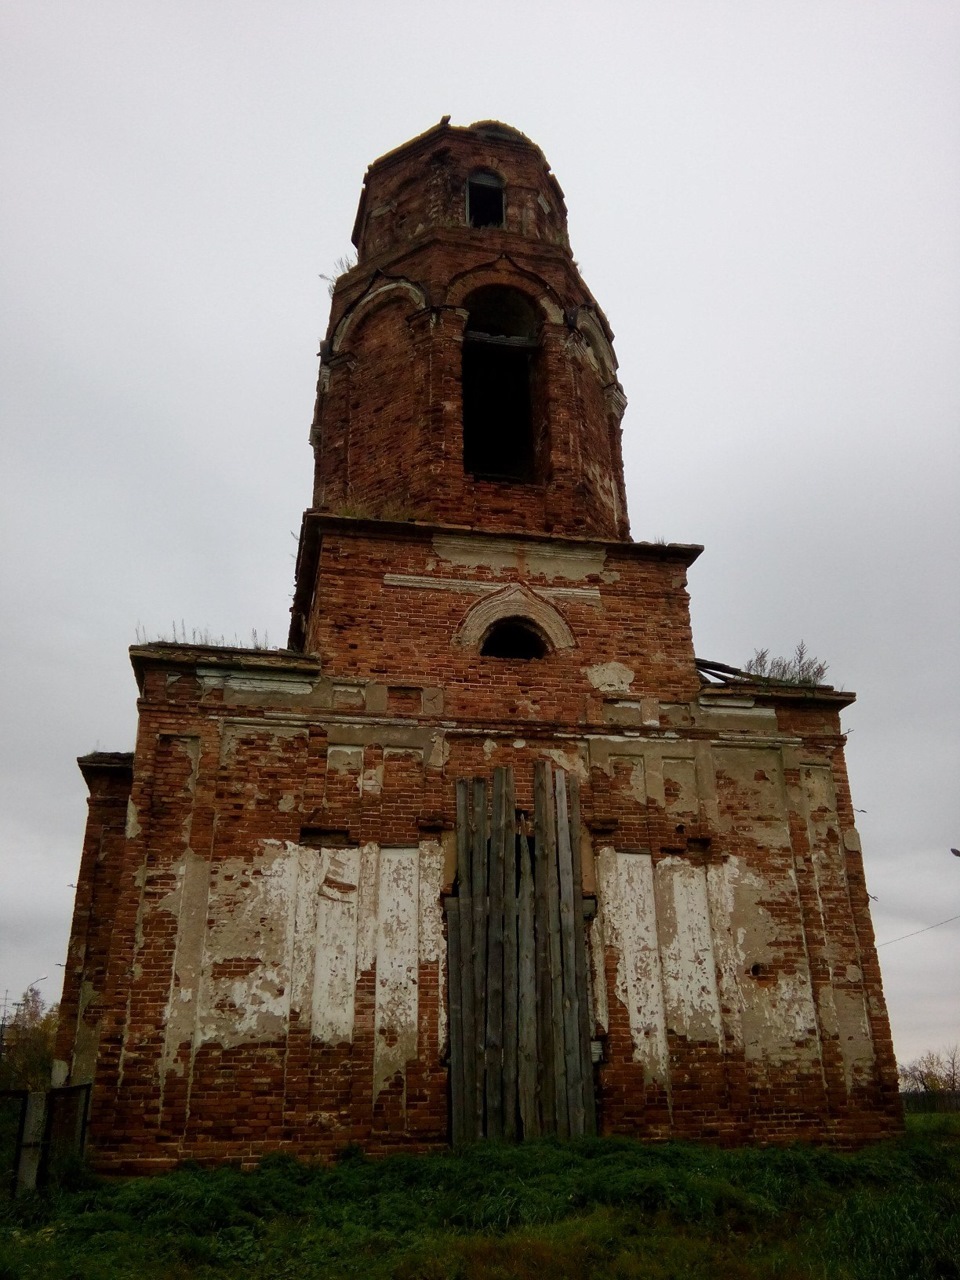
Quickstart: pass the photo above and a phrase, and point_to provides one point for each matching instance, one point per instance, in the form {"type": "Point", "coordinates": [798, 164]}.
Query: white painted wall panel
{"type": "Point", "coordinates": [395, 1026]}
{"type": "Point", "coordinates": [629, 925]}
{"type": "Point", "coordinates": [335, 947]}
{"type": "Point", "coordinates": [690, 992]}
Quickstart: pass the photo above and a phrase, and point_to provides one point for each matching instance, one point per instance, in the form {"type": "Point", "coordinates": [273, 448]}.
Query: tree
{"type": "Point", "coordinates": [27, 1049]}
{"type": "Point", "coordinates": [937, 1071]}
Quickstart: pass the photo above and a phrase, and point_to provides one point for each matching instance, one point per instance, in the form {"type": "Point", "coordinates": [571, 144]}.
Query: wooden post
{"type": "Point", "coordinates": [454, 971]}
{"type": "Point", "coordinates": [493, 1055]}
{"type": "Point", "coordinates": [465, 976]}
{"type": "Point", "coordinates": [556, 964]}
{"type": "Point", "coordinates": [510, 962]}
{"type": "Point", "coordinates": [527, 997]}
{"type": "Point", "coordinates": [545, 1056]}
{"type": "Point", "coordinates": [583, 977]}
{"type": "Point", "coordinates": [568, 924]}
{"type": "Point", "coordinates": [479, 877]}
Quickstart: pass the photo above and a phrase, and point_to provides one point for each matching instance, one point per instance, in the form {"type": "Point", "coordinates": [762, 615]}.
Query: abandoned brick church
{"type": "Point", "coordinates": [486, 850]}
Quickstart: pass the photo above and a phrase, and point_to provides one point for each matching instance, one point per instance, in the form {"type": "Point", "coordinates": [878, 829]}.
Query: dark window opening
{"type": "Point", "coordinates": [499, 354]}
{"type": "Point", "coordinates": [485, 204]}
{"type": "Point", "coordinates": [514, 638]}
{"type": "Point", "coordinates": [497, 426]}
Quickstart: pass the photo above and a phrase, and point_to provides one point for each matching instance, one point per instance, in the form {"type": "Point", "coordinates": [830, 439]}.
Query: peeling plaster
{"type": "Point", "coordinates": [395, 1024]}
{"type": "Point", "coordinates": [629, 925]}
{"type": "Point", "coordinates": [433, 947]}
{"type": "Point", "coordinates": [609, 677]}
{"type": "Point", "coordinates": [133, 828]}
{"type": "Point", "coordinates": [686, 951]}
{"type": "Point", "coordinates": [570, 761]}
{"type": "Point", "coordinates": [335, 947]}
{"type": "Point", "coordinates": [575, 564]}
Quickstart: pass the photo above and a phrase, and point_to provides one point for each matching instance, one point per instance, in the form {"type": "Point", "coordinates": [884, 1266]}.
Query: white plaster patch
{"type": "Point", "coordinates": [335, 947]}
{"type": "Point", "coordinates": [686, 951]}
{"type": "Point", "coordinates": [395, 1020]}
{"type": "Point", "coordinates": [133, 828]}
{"type": "Point", "coordinates": [626, 899]}
{"type": "Point", "coordinates": [609, 677]}
{"type": "Point", "coordinates": [345, 759]}
{"type": "Point", "coordinates": [570, 762]}
{"type": "Point", "coordinates": [368, 888]}
{"type": "Point", "coordinates": [252, 913]}
{"type": "Point", "coordinates": [721, 905]}
{"type": "Point", "coordinates": [431, 942]}
{"type": "Point", "coordinates": [533, 558]}
{"type": "Point", "coordinates": [372, 780]}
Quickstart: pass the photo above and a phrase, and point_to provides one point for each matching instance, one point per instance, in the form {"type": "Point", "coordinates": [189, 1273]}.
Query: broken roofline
{"type": "Point", "coordinates": [722, 679]}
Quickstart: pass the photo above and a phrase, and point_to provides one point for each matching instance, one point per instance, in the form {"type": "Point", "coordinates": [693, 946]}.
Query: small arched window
{"type": "Point", "coordinates": [499, 353]}
{"type": "Point", "coordinates": [514, 638]}
{"type": "Point", "coordinates": [485, 199]}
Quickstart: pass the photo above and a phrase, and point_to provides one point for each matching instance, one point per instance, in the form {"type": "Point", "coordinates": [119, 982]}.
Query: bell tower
{"type": "Point", "coordinates": [468, 376]}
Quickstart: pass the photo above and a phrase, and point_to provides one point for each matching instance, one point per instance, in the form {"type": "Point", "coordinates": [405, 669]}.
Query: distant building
{"type": "Point", "coordinates": [485, 850]}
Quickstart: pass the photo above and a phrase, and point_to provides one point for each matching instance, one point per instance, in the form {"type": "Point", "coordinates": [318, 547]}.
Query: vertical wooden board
{"type": "Point", "coordinates": [546, 1067]}
{"type": "Point", "coordinates": [584, 1028]}
{"type": "Point", "coordinates": [454, 1000]}
{"type": "Point", "coordinates": [527, 997]}
{"type": "Point", "coordinates": [479, 858]}
{"type": "Point", "coordinates": [493, 1056]}
{"type": "Point", "coordinates": [556, 963]}
{"type": "Point", "coordinates": [568, 951]}
{"type": "Point", "coordinates": [465, 970]}
{"type": "Point", "coordinates": [510, 961]}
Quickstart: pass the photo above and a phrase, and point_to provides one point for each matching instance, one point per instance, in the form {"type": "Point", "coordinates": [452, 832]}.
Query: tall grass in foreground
{"type": "Point", "coordinates": [593, 1208]}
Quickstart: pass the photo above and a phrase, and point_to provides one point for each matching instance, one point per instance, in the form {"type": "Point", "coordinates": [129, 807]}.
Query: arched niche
{"type": "Point", "coordinates": [381, 293]}
{"type": "Point", "coordinates": [521, 607]}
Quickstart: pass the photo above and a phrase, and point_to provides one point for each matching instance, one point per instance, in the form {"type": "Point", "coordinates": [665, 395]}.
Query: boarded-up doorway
{"type": "Point", "coordinates": [520, 1060]}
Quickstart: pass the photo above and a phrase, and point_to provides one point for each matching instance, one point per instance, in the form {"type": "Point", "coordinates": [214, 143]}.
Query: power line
{"type": "Point", "coordinates": [927, 929]}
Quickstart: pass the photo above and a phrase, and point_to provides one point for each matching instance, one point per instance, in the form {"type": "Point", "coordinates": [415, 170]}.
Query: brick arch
{"type": "Point", "coordinates": [588, 324]}
{"type": "Point", "coordinates": [505, 273]}
{"type": "Point", "coordinates": [382, 291]}
{"type": "Point", "coordinates": [514, 602]}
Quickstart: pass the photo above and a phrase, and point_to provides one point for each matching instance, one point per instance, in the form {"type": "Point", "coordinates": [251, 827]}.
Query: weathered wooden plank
{"type": "Point", "coordinates": [556, 964]}
{"type": "Point", "coordinates": [455, 1010]}
{"type": "Point", "coordinates": [493, 1056]}
{"type": "Point", "coordinates": [586, 1031]}
{"type": "Point", "coordinates": [510, 959]}
{"type": "Point", "coordinates": [568, 926]}
{"type": "Point", "coordinates": [546, 1076]}
{"type": "Point", "coordinates": [527, 997]}
{"type": "Point", "coordinates": [465, 976]}
{"type": "Point", "coordinates": [479, 879]}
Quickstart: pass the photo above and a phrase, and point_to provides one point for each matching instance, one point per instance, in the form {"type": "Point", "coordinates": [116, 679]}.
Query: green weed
{"type": "Point", "coordinates": [597, 1207]}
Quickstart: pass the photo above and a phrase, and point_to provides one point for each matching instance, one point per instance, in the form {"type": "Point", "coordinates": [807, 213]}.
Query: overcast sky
{"type": "Point", "coordinates": [764, 198]}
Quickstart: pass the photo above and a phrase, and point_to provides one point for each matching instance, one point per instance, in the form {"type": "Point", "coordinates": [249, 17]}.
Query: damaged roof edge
{"type": "Point", "coordinates": [170, 653]}
{"type": "Point", "coordinates": [722, 679]}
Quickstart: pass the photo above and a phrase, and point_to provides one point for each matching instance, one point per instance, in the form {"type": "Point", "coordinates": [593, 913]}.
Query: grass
{"type": "Point", "coordinates": [593, 1208]}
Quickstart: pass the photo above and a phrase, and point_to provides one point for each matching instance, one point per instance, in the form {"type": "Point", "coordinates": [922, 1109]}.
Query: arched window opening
{"type": "Point", "coordinates": [485, 199]}
{"type": "Point", "coordinates": [499, 354]}
{"type": "Point", "coordinates": [514, 638]}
